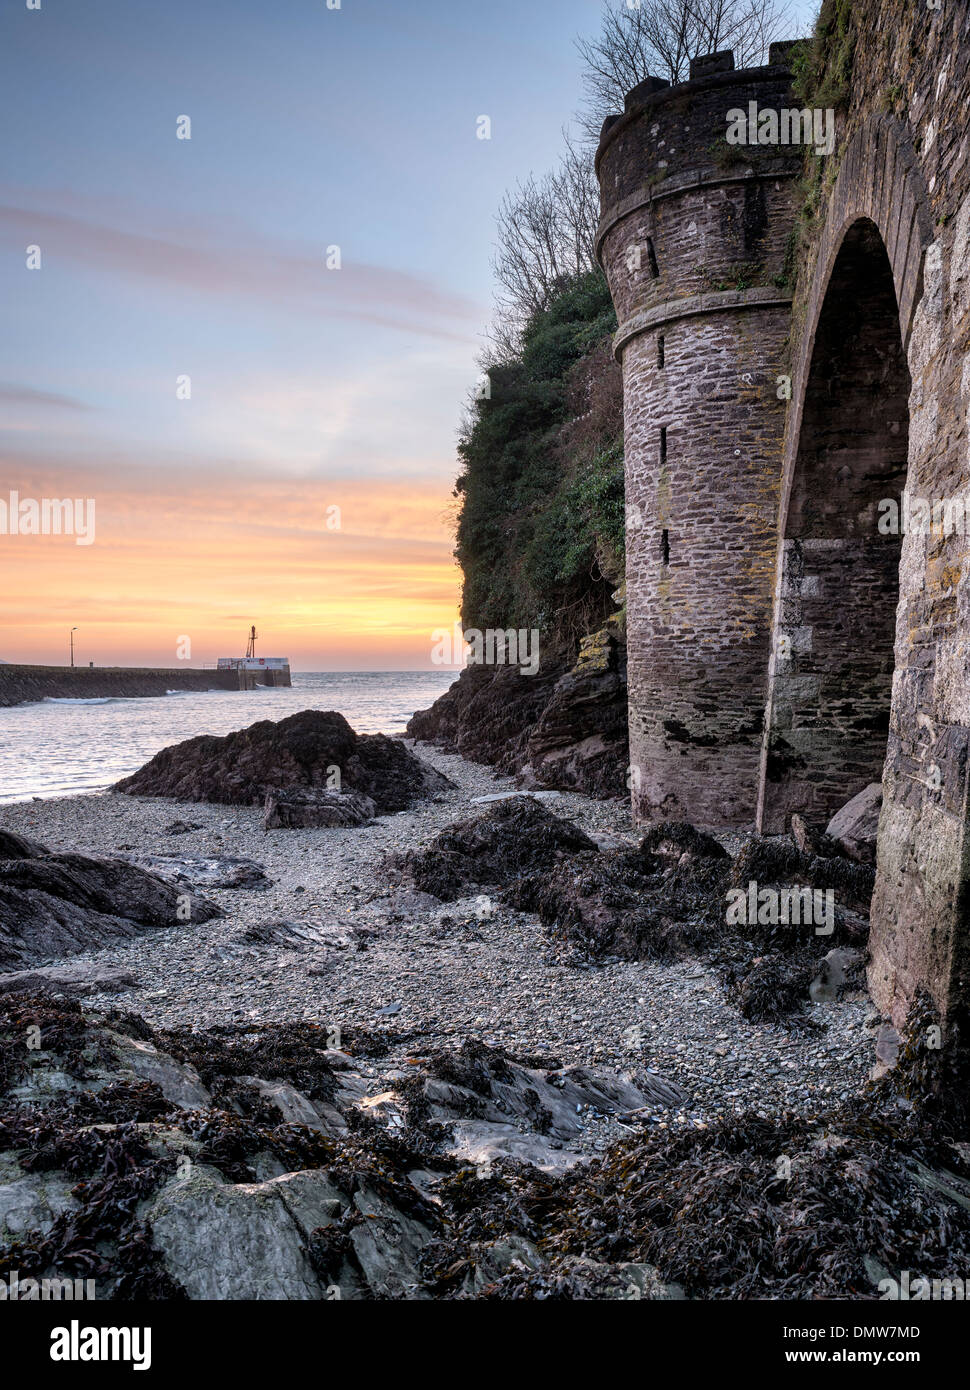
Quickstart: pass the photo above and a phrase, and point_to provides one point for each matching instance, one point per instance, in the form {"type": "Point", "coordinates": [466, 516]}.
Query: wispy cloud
{"type": "Point", "coordinates": [12, 394]}
{"type": "Point", "coordinates": [237, 265]}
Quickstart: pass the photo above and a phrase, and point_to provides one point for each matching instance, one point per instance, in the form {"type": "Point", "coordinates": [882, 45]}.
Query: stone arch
{"type": "Point", "coordinates": [846, 450]}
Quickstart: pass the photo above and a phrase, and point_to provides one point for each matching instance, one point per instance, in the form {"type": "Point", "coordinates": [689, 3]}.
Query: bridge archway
{"type": "Point", "coordinates": [847, 446]}
{"type": "Point", "coordinates": [920, 934]}
{"type": "Point", "coordinates": [840, 545]}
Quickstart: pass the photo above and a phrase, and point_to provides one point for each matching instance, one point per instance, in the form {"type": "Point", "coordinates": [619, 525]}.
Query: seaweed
{"type": "Point", "coordinates": [511, 838]}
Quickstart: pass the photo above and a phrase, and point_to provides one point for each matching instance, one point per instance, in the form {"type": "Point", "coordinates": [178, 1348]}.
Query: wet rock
{"type": "Point", "coordinates": [182, 827]}
{"type": "Point", "coordinates": [855, 827]}
{"type": "Point", "coordinates": [206, 870]}
{"type": "Point", "coordinates": [312, 807]}
{"type": "Point", "coordinates": [498, 1108]}
{"type": "Point", "coordinates": [487, 1262]}
{"type": "Point", "coordinates": [810, 841]}
{"type": "Point", "coordinates": [507, 840]}
{"type": "Point", "coordinates": [887, 1049]}
{"type": "Point", "coordinates": [54, 905]}
{"type": "Point", "coordinates": [840, 969]}
{"type": "Point", "coordinates": [18, 847]}
{"type": "Point", "coordinates": [489, 712]}
{"type": "Point", "coordinates": [304, 750]}
{"type": "Point", "coordinates": [580, 741]}
{"type": "Point", "coordinates": [177, 1081]}
{"type": "Point", "coordinates": [389, 1010]}
{"type": "Point", "coordinates": [387, 1244]}
{"type": "Point", "coordinates": [565, 726]}
{"type": "Point", "coordinates": [224, 1240]}
{"type": "Point", "coordinates": [74, 980]}
{"type": "Point", "coordinates": [297, 936]}
{"type": "Point", "coordinates": [293, 1107]}
{"type": "Point", "coordinates": [32, 1202]}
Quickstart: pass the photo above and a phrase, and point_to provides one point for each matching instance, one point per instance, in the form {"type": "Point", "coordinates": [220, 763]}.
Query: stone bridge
{"type": "Point", "coordinates": [795, 342]}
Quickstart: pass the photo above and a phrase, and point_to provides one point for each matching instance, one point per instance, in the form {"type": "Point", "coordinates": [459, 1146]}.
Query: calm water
{"type": "Point", "coordinates": [63, 747]}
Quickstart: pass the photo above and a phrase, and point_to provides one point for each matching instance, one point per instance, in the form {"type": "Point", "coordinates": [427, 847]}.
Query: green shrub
{"type": "Point", "coordinates": [540, 528]}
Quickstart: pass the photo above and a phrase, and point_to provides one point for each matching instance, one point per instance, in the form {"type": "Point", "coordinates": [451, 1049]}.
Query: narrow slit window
{"type": "Point", "coordinates": [665, 547]}
{"type": "Point", "coordinates": [663, 443]}
{"type": "Point", "coordinates": [660, 350]}
{"type": "Point", "coordinates": [652, 258]}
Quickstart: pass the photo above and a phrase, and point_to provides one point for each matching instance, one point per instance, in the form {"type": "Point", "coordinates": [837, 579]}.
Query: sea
{"type": "Point", "coordinates": [66, 747]}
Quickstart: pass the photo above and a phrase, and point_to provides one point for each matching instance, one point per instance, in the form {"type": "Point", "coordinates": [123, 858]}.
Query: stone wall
{"type": "Point", "coordinates": [865, 664]}
{"type": "Point", "coordinates": [23, 684]}
{"type": "Point", "coordinates": [694, 239]}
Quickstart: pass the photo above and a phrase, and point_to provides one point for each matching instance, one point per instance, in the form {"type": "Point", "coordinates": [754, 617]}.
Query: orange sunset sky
{"type": "Point", "coordinates": [180, 179]}
{"type": "Point", "coordinates": [204, 562]}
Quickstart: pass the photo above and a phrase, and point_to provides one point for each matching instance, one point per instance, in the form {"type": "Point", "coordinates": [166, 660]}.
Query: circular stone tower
{"type": "Point", "coordinates": [695, 240]}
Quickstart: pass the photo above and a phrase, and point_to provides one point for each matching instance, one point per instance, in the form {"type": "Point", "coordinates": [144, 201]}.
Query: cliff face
{"type": "Point", "coordinates": [540, 539]}
{"type": "Point", "coordinates": [564, 727]}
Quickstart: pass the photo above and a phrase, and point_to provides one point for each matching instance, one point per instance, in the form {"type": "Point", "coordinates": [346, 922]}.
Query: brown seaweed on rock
{"type": "Point", "coordinates": [510, 838]}
{"type": "Point", "coordinates": [300, 751]}
{"type": "Point", "coordinates": [668, 899]}
{"type": "Point", "coordinates": [786, 1207]}
{"type": "Point", "coordinates": [659, 901]}
{"type": "Point", "coordinates": [776, 861]}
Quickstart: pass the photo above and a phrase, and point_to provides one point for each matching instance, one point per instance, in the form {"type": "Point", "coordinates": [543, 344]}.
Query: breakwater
{"type": "Point", "coordinates": [23, 684]}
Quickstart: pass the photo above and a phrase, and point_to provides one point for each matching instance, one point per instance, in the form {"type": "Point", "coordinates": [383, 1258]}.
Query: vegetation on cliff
{"type": "Point", "coordinates": [540, 529]}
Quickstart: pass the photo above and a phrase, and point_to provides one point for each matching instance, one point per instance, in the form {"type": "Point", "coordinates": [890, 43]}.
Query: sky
{"type": "Point", "coordinates": [252, 348]}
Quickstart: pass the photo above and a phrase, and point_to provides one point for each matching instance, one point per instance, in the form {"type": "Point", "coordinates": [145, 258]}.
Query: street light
{"type": "Point", "coordinates": [73, 630]}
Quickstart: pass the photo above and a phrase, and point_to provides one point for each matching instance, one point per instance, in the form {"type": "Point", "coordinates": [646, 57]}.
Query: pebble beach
{"type": "Point", "coordinates": [331, 939]}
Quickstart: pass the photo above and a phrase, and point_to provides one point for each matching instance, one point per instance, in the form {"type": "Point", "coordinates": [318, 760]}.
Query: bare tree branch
{"type": "Point", "coordinates": [659, 37]}
{"type": "Point", "coordinates": [546, 231]}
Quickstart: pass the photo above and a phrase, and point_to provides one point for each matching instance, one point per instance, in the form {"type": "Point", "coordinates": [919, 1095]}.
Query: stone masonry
{"type": "Point", "coordinates": [694, 247]}
{"type": "Point", "coordinates": [787, 645]}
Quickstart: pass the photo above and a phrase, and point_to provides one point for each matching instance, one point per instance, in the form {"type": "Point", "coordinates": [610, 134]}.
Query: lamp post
{"type": "Point", "coordinates": [73, 630]}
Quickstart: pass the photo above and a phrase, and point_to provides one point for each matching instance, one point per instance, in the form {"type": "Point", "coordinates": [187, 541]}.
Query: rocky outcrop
{"type": "Point", "coordinates": [54, 905]}
{"type": "Point", "coordinates": [565, 727]}
{"type": "Point", "coordinates": [488, 714]}
{"type": "Point", "coordinates": [308, 808]}
{"type": "Point", "coordinates": [512, 837]}
{"type": "Point", "coordinates": [259, 1163]}
{"type": "Point", "coordinates": [486, 1099]}
{"type": "Point", "coordinates": [206, 870]}
{"type": "Point", "coordinates": [310, 749]}
{"type": "Point", "coordinates": [74, 980]}
{"type": "Point", "coordinates": [580, 741]}
{"type": "Point", "coordinates": [855, 827]}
